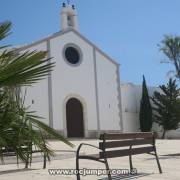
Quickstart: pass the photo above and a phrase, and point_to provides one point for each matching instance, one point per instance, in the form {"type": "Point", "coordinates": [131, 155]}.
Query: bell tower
{"type": "Point", "coordinates": [68, 17]}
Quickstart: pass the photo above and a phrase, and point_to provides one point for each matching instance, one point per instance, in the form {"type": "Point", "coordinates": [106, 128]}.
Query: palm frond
{"type": "Point", "coordinates": [4, 29]}
{"type": "Point", "coordinates": [21, 130]}
{"type": "Point", "coordinates": [24, 69]}
{"type": "Point", "coordinates": [49, 130]}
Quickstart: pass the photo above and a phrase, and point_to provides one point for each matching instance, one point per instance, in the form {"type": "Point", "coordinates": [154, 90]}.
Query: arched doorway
{"type": "Point", "coordinates": [74, 118]}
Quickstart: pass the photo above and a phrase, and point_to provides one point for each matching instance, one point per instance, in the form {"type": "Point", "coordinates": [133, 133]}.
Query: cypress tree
{"type": "Point", "coordinates": [145, 114]}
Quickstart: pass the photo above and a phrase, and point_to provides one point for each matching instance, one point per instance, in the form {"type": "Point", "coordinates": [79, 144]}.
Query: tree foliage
{"type": "Point", "coordinates": [18, 125]}
{"type": "Point", "coordinates": [170, 46]}
{"type": "Point", "coordinates": [167, 106]}
{"type": "Point", "coordinates": [145, 115]}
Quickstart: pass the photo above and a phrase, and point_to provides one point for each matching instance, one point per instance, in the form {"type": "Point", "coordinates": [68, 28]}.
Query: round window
{"type": "Point", "coordinates": [72, 55]}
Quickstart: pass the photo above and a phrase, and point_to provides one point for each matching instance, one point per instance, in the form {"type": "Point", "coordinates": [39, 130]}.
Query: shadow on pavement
{"type": "Point", "coordinates": [127, 176]}
{"type": "Point", "coordinates": [15, 171]}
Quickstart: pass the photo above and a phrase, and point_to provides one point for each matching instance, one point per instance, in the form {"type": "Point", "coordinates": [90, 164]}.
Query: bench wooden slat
{"type": "Point", "coordinates": [126, 152]}
{"type": "Point", "coordinates": [126, 136]}
{"type": "Point", "coordinates": [113, 144]}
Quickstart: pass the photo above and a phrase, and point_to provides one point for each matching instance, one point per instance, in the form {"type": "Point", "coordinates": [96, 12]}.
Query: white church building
{"type": "Point", "coordinates": [81, 97]}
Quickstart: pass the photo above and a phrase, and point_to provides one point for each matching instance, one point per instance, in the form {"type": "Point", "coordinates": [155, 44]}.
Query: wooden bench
{"type": "Point", "coordinates": [118, 145]}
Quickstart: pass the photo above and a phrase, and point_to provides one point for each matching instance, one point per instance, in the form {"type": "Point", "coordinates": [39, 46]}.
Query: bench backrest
{"type": "Point", "coordinates": [111, 141]}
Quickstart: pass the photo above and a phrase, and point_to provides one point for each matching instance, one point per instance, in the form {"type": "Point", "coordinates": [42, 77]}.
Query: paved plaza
{"type": "Point", "coordinates": [168, 151]}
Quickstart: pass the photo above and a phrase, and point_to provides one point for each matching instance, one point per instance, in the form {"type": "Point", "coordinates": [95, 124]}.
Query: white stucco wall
{"type": "Point", "coordinates": [107, 93]}
{"type": "Point", "coordinates": [73, 81]}
{"type": "Point", "coordinates": [38, 92]}
{"type": "Point", "coordinates": [131, 96]}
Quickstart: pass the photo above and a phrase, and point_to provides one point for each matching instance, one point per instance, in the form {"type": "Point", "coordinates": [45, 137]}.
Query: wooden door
{"type": "Point", "coordinates": [74, 118]}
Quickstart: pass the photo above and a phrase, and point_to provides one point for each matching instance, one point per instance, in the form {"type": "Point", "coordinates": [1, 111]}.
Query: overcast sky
{"type": "Point", "coordinates": [127, 30]}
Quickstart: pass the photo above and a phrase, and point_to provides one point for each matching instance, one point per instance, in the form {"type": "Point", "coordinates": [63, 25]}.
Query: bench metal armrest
{"type": "Point", "coordinates": [85, 144]}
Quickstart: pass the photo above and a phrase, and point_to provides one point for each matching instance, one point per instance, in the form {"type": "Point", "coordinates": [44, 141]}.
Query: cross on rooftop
{"type": "Point", "coordinates": [68, 3]}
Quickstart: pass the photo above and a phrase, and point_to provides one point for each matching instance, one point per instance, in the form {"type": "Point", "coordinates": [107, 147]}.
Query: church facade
{"type": "Point", "coordinates": [81, 96]}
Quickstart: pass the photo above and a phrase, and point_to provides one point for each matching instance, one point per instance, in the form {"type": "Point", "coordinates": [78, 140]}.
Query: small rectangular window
{"type": "Point", "coordinates": [69, 19]}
